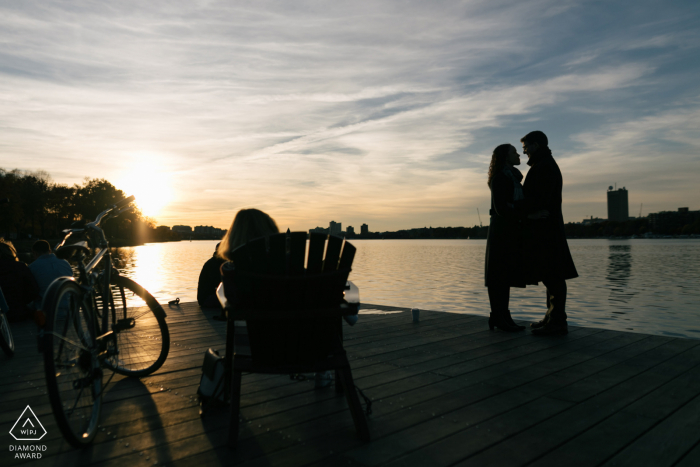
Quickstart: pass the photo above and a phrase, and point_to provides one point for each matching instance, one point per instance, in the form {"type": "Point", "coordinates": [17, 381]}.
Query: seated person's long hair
{"type": "Point", "coordinates": [247, 225]}
{"type": "Point", "coordinates": [7, 250]}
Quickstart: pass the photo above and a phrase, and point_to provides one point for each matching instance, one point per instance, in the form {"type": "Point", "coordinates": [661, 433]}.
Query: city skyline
{"type": "Point", "coordinates": [383, 113]}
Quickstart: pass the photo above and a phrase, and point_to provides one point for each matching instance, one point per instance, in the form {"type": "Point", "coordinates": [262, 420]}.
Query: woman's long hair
{"type": "Point", "coordinates": [498, 160]}
{"type": "Point", "coordinates": [7, 250]}
{"type": "Point", "coordinates": [247, 225]}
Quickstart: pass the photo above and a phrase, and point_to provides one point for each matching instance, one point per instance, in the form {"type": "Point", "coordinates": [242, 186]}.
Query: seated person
{"type": "Point", "coordinates": [247, 225]}
{"type": "Point", "coordinates": [17, 283]}
{"type": "Point", "coordinates": [209, 280]}
{"type": "Point", "coordinates": [47, 267]}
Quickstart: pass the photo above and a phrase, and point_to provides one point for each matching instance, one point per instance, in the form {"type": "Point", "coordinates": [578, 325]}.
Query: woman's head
{"type": "Point", "coordinates": [7, 250]}
{"type": "Point", "coordinates": [247, 225]}
{"type": "Point", "coordinates": [502, 155]}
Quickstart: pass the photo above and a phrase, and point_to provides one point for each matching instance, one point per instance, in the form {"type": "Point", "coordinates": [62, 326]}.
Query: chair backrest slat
{"type": "Point", "coordinates": [317, 243]}
{"type": "Point", "coordinates": [241, 258]}
{"type": "Point", "coordinates": [288, 308]}
{"type": "Point", "coordinates": [258, 255]}
{"type": "Point", "coordinates": [277, 258]}
{"type": "Point", "coordinates": [297, 251]}
{"type": "Point", "coordinates": [330, 263]}
{"type": "Point", "coordinates": [347, 257]}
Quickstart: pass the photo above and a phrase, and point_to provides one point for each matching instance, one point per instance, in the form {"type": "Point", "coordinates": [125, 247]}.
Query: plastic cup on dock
{"type": "Point", "coordinates": [416, 314]}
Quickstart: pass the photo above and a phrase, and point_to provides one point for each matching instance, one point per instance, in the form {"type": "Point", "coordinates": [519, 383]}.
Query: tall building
{"type": "Point", "coordinates": [364, 229]}
{"type": "Point", "coordinates": [335, 228]}
{"type": "Point", "coordinates": [618, 205]}
{"type": "Point", "coordinates": [350, 230]}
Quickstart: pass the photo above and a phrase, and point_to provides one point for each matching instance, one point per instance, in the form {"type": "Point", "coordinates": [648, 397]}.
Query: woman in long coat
{"type": "Point", "coordinates": [504, 244]}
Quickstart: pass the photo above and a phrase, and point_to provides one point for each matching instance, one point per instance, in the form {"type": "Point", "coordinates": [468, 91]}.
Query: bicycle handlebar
{"type": "Point", "coordinates": [111, 210]}
{"type": "Point", "coordinates": [124, 202]}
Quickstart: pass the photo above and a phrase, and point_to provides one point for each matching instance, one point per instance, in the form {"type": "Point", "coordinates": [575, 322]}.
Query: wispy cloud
{"type": "Point", "coordinates": [383, 113]}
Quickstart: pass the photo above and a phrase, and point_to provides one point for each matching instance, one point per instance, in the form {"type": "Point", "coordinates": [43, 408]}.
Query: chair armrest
{"type": "Point", "coordinates": [221, 295]}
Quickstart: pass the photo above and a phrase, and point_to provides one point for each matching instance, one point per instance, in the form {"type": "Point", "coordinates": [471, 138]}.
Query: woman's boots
{"type": "Point", "coordinates": [504, 322]}
{"type": "Point", "coordinates": [500, 314]}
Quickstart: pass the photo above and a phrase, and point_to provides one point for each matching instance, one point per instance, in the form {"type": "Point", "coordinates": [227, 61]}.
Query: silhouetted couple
{"type": "Point", "coordinates": [526, 239]}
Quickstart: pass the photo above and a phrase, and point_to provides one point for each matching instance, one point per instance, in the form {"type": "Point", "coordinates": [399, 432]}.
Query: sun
{"type": "Point", "coordinates": [149, 183]}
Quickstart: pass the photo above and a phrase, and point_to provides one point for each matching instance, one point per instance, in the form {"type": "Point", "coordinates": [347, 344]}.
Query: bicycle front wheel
{"type": "Point", "coordinates": [7, 342]}
{"type": "Point", "coordinates": [73, 373]}
{"type": "Point", "coordinates": [142, 336]}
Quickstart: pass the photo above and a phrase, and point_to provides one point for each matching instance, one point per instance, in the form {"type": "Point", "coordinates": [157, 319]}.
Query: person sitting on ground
{"type": "Point", "coordinates": [47, 267]}
{"type": "Point", "coordinates": [209, 280]}
{"type": "Point", "coordinates": [17, 283]}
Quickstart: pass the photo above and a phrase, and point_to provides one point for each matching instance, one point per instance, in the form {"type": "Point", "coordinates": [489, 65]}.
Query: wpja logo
{"type": "Point", "coordinates": [28, 428]}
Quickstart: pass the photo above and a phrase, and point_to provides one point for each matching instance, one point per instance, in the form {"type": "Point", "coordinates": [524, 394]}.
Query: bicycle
{"type": "Point", "coordinates": [7, 342]}
{"type": "Point", "coordinates": [91, 325]}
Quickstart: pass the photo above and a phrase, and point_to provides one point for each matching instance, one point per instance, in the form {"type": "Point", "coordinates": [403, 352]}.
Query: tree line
{"type": "Point", "coordinates": [40, 208]}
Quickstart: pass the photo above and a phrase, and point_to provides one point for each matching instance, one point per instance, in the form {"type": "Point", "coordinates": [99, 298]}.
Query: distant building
{"type": "Point", "coordinates": [364, 229]}
{"type": "Point", "coordinates": [593, 220]}
{"type": "Point", "coordinates": [335, 228]}
{"type": "Point", "coordinates": [618, 205]}
{"type": "Point", "coordinates": [209, 231]}
{"type": "Point", "coordinates": [350, 230]}
{"type": "Point", "coordinates": [183, 229]}
{"type": "Point", "coordinates": [672, 221]}
{"type": "Point", "coordinates": [320, 230]}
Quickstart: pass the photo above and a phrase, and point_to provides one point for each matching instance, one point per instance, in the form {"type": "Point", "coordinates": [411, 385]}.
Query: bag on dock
{"type": "Point", "coordinates": [211, 384]}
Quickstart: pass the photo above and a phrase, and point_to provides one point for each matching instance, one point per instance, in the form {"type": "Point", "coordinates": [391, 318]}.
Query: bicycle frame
{"type": "Point", "coordinates": [88, 279]}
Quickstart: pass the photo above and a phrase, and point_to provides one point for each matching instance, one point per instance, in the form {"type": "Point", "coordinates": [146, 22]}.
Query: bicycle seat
{"type": "Point", "coordinates": [68, 251]}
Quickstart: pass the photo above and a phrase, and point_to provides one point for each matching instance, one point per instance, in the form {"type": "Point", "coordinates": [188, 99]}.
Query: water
{"type": "Point", "coordinates": [648, 286]}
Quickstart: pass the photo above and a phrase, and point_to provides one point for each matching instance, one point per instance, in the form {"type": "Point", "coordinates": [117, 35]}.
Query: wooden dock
{"type": "Point", "coordinates": [446, 392]}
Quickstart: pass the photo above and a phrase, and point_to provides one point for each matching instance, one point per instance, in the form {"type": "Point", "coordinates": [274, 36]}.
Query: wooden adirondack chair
{"type": "Point", "coordinates": [293, 313]}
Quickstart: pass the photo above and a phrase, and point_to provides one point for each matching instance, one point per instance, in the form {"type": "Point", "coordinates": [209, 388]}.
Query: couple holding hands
{"type": "Point", "coordinates": [526, 239]}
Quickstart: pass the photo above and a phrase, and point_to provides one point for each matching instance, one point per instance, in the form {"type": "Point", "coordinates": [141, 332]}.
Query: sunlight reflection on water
{"type": "Point", "coordinates": [645, 286]}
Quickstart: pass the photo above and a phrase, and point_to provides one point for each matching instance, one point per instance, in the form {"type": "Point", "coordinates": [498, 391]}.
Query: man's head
{"type": "Point", "coordinates": [41, 247]}
{"type": "Point", "coordinates": [533, 141]}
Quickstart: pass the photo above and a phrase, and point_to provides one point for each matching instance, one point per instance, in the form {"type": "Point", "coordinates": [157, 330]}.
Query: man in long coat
{"type": "Point", "coordinates": [547, 256]}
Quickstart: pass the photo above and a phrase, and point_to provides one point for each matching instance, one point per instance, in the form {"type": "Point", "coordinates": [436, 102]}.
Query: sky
{"type": "Point", "coordinates": [384, 112]}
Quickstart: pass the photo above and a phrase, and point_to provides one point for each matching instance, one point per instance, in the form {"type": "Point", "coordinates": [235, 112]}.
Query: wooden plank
{"type": "Point", "coordinates": [534, 443]}
{"type": "Point", "coordinates": [443, 406]}
{"type": "Point", "coordinates": [541, 399]}
{"type": "Point", "coordinates": [691, 459]}
{"type": "Point", "coordinates": [667, 442]}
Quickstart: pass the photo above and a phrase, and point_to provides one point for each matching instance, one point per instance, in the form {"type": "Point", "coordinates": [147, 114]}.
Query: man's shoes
{"type": "Point", "coordinates": [539, 324]}
{"type": "Point", "coordinates": [551, 330]}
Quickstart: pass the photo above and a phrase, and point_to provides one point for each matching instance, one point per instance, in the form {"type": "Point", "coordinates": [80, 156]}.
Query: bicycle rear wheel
{"type": "Point", "coordinates": [7, 342]}
{"type": "Point", "coordinates": [73, 373]}
{"type": "Point", "coordinates": [142, 336]}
